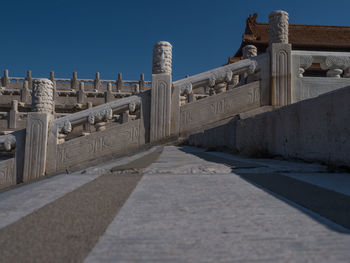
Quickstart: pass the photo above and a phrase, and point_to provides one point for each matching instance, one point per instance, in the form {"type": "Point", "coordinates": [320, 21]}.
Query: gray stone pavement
{"type": "Point", "coordinates": [187, 209]}
{"type": "Point", "coordinates": [312, 173]}
{"type": "Point", "coordinates": [193, 206]}
{"type": "Point", "coordinates": [25, 199]}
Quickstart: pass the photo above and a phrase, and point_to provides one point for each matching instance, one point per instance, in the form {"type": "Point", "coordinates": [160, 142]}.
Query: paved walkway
{"type": "Point", "coordinates": [190, 206]}
{"type": "Point", "coordinates": [186, 209]}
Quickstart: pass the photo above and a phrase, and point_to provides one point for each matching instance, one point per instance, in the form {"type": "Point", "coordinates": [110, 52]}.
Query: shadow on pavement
{"type": "Point", "coordinates": [316, 202]}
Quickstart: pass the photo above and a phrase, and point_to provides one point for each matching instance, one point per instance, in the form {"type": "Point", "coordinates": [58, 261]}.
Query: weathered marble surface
{"type": "Point", "coordinates": [36, 145]}
{"type": "Point", "coordinates": [249, 51]}
{"type": "Point", "coordinates": [42, 96]}
{"type": "Point", "coordinates": [160, 106]}
{"type": "Point", "coordinates": [305, 87]}
{"type": "Point", "coordinates": [278, 27]}
{"type": "Point", "coordinates": [179, 213]}
{"type": "Point", "coordinates": [162, 58]}
{"type": "Point", "coordinates": [160, 122]}
{"type": "Point", "coordinates": [23, 200]}
{"type": "Point", "coordinates": [314, 129]}
{"type": "Point", "coordinates": [96, 112]}
{"type": "Point", "coordinates": [281, 80]}
{"type": "Point", "coordinates": [7, 172]}
{"type": "Point", "coordinates": [98, 144]}
{"type": "Point", "coordinates": [218, 107]}
{"type": "Point", "coordinates": [217, 75]}
{"type": "Point", "coordinates": [7, 142]}
{"type": "Point", "coordinates": [35, 156]}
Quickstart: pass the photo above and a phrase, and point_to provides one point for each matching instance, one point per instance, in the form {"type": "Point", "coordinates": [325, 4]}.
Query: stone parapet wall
{"type": "Point", "coordinates": [313, 130]}
{"type": "Point", "coordinates": [316, 130]}
{"type": "Point", "coordinates": [215, 108]}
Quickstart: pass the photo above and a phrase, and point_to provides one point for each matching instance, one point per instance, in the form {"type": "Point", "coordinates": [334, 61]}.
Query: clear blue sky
{"type": "Point", "coordinates": [118, 36]}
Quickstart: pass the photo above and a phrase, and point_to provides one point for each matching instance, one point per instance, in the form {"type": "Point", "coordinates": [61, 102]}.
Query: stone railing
{"type": "Point", "coordinates": [109, 128]}
{"type": "Point", "coordinates": [188, 115]}
{"type": "Point", "coordinates": [53, 141]}
{"type": "Point", "coordinates": [316, 72]}
{"type": "Point", "coordinates": [15, 120]}
{"type": "Point", "coordinates": [48, 145]}
{"type": "Point", "coordinates": [97, 116]}
{"type": "Point", "coordinates": [70, 94]}
{"type": "Point", "coordinates": [225, 78]}
{"type": "Point", "coordinates": [216, 80]}
{"type": "Point", "coordinates": [74, 83]}
{"type": "Point", "coordinates": [8, 171]}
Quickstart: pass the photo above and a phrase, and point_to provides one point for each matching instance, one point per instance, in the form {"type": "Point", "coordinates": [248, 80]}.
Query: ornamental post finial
{"type": "Point", "coordinates": [278, 27]}
{"type": "Point", "coordinates": [162, 58]}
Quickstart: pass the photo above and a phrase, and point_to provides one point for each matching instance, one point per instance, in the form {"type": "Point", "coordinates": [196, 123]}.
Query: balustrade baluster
{"type": "Point", "coordinates": [120, 82]}
{"type": "Point", "coordinates": [6, 79]}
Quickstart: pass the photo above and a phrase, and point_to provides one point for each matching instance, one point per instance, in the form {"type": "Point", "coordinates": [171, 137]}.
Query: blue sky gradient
{"type": "Point", "coordinates": [118, 36]}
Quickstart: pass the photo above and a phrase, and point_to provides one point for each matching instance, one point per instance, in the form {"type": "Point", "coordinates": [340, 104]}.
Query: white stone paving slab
{"type": "Point", "coordinates": [188, 216]}
{"type": "Point", "coordinates": [23, 200]}
{"type": "Point", "coordinates": [312, 173]}
{"type": "Point", "coordinates": [274, 165]}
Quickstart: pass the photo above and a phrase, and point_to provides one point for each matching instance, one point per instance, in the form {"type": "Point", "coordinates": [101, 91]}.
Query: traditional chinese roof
{"type": "Point", "coordinates": [302, 37]}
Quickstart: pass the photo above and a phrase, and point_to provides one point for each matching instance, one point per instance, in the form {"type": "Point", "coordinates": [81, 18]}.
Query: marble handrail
{"type": "Point", "coordinates": [72, 92]}
{"type": "Point", "coordinates": [334, 62]}
{"type": "Point", "coordinates": [98, 113]}
{"type": "Point", "coordinates": [14, 82]}
{"type": "Point", "coordinates": [217, 75]}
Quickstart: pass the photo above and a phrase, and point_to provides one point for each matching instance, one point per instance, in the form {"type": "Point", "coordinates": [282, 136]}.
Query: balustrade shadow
{"type": "Point", "coordinates": [329, 208]}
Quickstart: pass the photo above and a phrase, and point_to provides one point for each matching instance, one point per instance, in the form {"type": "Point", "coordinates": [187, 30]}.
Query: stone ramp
{"type": "Point", "coordinates": [24, 199]}
{"type": "Point", "coordinates": [61, 218]}
{"type": "Point", "coordinates": [310, 185]}
{"type": "Point", "coordinates": [190, 206]}
{"type": "Point", "coordinates": [187, 209]}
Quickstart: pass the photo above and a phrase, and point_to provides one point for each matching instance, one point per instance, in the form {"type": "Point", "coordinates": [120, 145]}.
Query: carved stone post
{"type": "Point", "coordinates": [125, 117]}
{"type": "Point", "coordinates": [109, 96]}
{"type": "Point", "coordinates": [74, 83]}
{"type": "Point", "coordinates": [25, 93]}
{"type": "Point", "coordinates": [12, 118]}
{"type": "Point", "coordinates": [81, 95]}
{"type": "Point", "coordinates": [161, 91]}
{"type": "Point", "coordinates": [97, 82]}
{"type": "Point", "coordinates": [37, 129]}
{"type": "Point", "coordinates": [6, 79]}
{"type": "Point", "coordinates": [120, 82]}
{"type": "Point", "coordinates": [280, 52]}
{"type": "Point", "coordinates": [29, 78]}
{"type": "Point", "coordinates": [87, 126]}
{"type": "Point", "coordinates": [52, 78]}
{"type": "Point", "coordinates": [136, 89]}
{"type": "Point", "coordinates": [249, 51]}
{"type": "Point", "coordinates": [142, 83]}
